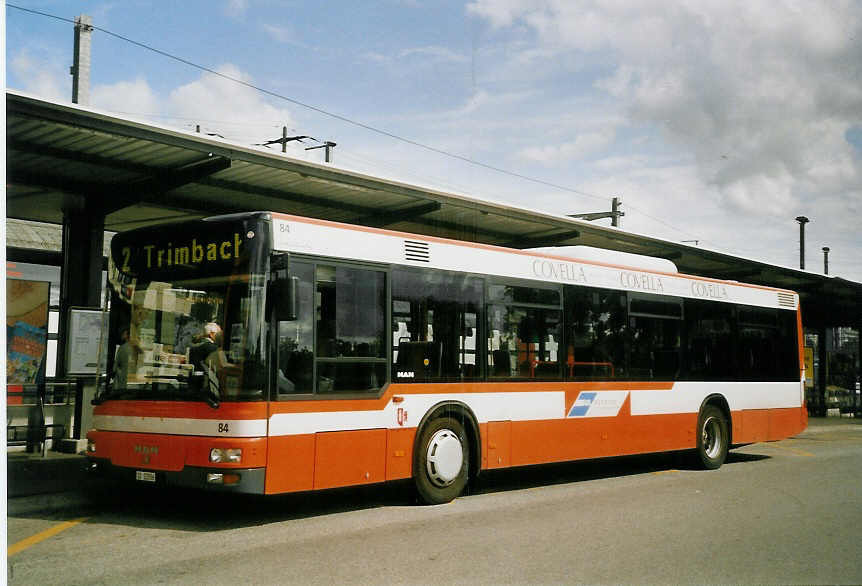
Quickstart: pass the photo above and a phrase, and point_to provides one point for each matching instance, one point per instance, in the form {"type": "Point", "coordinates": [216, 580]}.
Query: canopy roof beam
{"type": "Point", "coordinates": [541, 241]}
{"type": "Point", "coordinates": [381, 219]}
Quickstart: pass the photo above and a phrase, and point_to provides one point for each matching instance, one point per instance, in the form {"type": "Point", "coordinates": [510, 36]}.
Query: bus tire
{"type": "Point", "coordinates": [712, 437]}
{"type": "Point", "coordinates": [441, 461]}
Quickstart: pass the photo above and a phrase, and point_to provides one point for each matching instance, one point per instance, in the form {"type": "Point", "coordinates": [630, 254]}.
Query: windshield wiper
{"type": "Point", "coordinates": [199, 390]}
{"type": "Point", "coordinates": [199, 385]}
{"type": "Point", "coordinates": [108, 395]}
{"type": "Point", "coordinates": [195, 384]}
{"type": "Point", "coordinates": [209, 396]}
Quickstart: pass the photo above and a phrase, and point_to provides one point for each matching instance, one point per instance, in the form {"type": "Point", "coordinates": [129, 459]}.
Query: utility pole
{"type": "Point", "coordinates": [615, 214]}
{"type": "Point", "coordinates": [284, 140]}
{"type": "Point", "coordinates": [825, 260]}
{"type": "Point", "coordinates": [802, 221]}
{"type": "Point", "coordinates": [328, 145]}
{"type": "Point", "coordinates": [80, 69]}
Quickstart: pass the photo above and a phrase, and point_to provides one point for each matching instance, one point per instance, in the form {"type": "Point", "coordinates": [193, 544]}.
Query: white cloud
{"type": "Point", "coordinates": [236, 8]}
{"type": "Point", "coordinates": [584, 145]}
{"type": "Point", "coordinates": [42, 77]}
{"type": "Point", "coordinates": [376, 57]}
{"type": "Point", "coordinates": [219, 105]}
{"type": "Point", "coordinates": [500, 13]}
{"type": "Point", "coordinates": [237, 111]}
{"type": "Point", "coordinates": [282, 34]}
{"type": "Point", "coordinates": [129, 97]}
{"type": "Point", "coordinates": [435, 53]}
{"type": "Point", "coordinates": [758, 96]}
{"type": "Point", "coordinates": [427, 54]}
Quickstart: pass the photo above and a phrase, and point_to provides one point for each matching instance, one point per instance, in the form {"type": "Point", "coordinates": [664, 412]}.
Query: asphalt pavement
{"type": "Point", "coordinates": [781, 512]}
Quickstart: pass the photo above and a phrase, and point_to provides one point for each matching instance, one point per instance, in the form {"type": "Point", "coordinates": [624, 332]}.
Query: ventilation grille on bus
{"type": "Point", "coordinates": [417, 251]}
{"type": "Point", "coordinates": [787, 300]}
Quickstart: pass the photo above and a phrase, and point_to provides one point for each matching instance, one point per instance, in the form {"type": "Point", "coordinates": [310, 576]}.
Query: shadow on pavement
{"type": "Point", "coordinates": [193, 510]}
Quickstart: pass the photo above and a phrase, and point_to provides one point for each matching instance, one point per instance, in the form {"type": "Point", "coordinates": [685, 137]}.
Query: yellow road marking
{"type": "Point", "coordinates": [671, 471]}
{"type": "Point", "coordinates": [796, 451]}
{"type": "Point", "coordinates": [42, 536]}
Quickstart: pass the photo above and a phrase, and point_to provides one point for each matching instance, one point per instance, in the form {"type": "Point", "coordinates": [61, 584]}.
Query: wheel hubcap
{"type": "Point", "coordinates": [711, 439]}
{"type": "Point", "coordinates": [445, 457]}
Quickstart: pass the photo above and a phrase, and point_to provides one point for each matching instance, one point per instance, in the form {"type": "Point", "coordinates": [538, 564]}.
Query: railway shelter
{"type": "Point", "coordinates": [75, 175]}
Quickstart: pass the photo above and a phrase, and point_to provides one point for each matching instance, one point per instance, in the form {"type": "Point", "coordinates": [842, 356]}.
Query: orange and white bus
{"type": "Point", "coordinates": [267, 353]}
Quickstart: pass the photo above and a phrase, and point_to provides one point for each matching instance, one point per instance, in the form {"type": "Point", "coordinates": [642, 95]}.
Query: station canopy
{"type": "Point", "coordinates": [60, 155]}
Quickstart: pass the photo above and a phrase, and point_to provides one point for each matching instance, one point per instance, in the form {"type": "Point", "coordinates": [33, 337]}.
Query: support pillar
{"type": "Point", "coordinates": [81, 273]}
{"type": "Point", "coordinates": [857, 391]}
{"type": "Point", "coordinates": [822, 358]}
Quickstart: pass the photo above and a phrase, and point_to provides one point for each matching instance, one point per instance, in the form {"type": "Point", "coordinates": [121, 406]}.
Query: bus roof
{"type": "Point", "coordinates": [335, 240]}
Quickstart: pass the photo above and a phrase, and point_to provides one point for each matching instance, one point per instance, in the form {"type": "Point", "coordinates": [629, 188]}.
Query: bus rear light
{"type": "Point", "coordinates": [226, 455]}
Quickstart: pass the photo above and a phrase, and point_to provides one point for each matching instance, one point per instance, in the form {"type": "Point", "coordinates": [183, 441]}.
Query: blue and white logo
{"type": "Point", "coordinates": [582, 405]}
{"type": "Point", "coordinates": [598, 404]}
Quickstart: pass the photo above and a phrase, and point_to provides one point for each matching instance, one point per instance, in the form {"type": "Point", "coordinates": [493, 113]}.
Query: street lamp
{"type": "Point", "coordinates": [802, 221]}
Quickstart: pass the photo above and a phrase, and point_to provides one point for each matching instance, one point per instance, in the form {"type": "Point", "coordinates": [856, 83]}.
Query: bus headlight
{"type": "Point", "coordinates": [226, 455]}
{"type": "Point", "coordinates": [91, 446]}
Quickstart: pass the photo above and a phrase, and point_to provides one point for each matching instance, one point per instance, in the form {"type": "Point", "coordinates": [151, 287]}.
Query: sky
{"type": "Point", "coordinates": [715, 122]}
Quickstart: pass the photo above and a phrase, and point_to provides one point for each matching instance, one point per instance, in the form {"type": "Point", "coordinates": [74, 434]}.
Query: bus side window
{"type": "Point", "coordinates": [524, 332]}
{"type": "Point", "coordinates": [709, 341]}
{"type": "Point", "coordinates": [435, 320]}
{"type": "Point", "coordinates": [654, 330]}
{"type": "Point", "coordinates": [766, 346]}
{"type": "Point", "coordinates": [350, 313]}
{"type": "Point", "coordinates": [597, 334]}
{"type": "Point", "coordinates": [295, 338]}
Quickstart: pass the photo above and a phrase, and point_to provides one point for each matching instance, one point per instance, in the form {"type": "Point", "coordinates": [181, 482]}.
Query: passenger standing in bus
{"type": "Point", "coordinates": [216, 359]}
{"type": "Point", "coordinates": [125, 356]}
{"type": "Point", "coordinates": [208, 350]}
{"type": "Point", "coordinates": [209, 358]}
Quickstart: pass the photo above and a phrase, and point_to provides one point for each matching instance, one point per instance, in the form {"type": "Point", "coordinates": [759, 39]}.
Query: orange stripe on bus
{"type": "Point", "coordinates": [183, 409]}
{"type": "Point", "coordinates": [319, 405]}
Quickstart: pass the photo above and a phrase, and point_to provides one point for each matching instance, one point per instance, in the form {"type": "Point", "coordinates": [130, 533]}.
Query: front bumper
{"type": "Point", "coordinates": [251, 480]}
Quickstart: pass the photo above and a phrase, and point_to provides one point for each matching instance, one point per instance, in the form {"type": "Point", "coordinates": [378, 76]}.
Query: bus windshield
{"type": "Point", "coordinates": [186, 330]}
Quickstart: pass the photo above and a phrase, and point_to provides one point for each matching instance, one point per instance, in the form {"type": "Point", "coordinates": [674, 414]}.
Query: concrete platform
{"type": "Point", "coordinates": [30, 474]}
{"type": "Point", "coordinates": [41, 484]}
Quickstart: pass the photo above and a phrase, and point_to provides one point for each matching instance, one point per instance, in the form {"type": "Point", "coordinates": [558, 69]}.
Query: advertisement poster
{"type": "Point", "coordinates": [85, 327]}
{"type": "Point", "coordinates": [26, 329]}
{"type": "Point", "coordinates": [809, 367]}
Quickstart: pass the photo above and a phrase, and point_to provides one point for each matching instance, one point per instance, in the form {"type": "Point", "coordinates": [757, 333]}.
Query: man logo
{"type": "Point", "coordinates": [146, 452]}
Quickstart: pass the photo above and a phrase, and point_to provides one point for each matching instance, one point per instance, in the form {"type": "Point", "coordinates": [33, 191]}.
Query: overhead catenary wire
{"type": "Point", "coordinates": [313, 108]}
{"type": "Point", "coordinates": [345, 119]}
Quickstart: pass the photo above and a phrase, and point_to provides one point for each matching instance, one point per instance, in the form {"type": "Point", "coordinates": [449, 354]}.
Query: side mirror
{"type": "Point", "coordinates": [284, 294]}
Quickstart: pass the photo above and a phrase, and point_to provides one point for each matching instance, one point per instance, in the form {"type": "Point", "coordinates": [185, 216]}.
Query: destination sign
{"type": "Point", "coordinates": [194, 252]}
{"type": "Point", "coordinates": [214, 248]}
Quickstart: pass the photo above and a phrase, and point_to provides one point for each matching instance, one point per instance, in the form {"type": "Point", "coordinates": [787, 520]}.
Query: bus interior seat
{"type": "Point", "coordinates": [412, 356]}
{"type": "Point", "coordinates": [502, 364]}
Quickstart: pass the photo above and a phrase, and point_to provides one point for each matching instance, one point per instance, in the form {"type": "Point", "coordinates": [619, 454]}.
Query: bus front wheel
{"type": "Point", "coordinates": [441, 461]}
{"type": "Point", "coordinates": [712, 437]}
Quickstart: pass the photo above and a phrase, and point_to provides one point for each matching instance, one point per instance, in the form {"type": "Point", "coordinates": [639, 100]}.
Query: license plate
{"type": "Point", "coordinates": [145, 476]}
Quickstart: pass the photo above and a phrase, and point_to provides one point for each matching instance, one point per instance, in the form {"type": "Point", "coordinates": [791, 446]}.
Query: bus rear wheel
{"type": "Point", "coordinates": [441, 461]}
{"type": "Point", "coordinates": [712, 437]}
